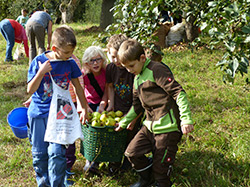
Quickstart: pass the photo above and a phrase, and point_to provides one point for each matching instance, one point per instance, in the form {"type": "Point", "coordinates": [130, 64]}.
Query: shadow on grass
{"type": "Point", "coordinates": [205, 168]}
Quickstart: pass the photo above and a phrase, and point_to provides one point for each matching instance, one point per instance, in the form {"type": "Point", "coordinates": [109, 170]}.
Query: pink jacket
{"type": "Point", "coordinates": [20, 35]}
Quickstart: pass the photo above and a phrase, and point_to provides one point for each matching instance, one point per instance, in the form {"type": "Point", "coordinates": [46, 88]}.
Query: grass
{"type": "Point", "coordinates": [215, 154]}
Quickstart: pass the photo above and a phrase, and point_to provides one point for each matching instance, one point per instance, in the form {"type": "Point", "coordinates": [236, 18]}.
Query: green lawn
{"type": "Point", "coordinates": [215, 154]}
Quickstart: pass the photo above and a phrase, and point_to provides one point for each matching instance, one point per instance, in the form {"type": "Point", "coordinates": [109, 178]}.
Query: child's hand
{"type": "Point", "coordinates": [131, 125]}
{"type": "Point", "coordinates": [84, 117]}
{"type": "Point", "coordinates": [109, 109]}
{"type": "Point", "coordinates": [133, 122]}
{"type": "Point", "coordinates": [27, 103]}
{"type": "Point", "coordinates": [45, 67]}
{"type": "Point", "coordinates": [118, 129]}
{"type": "Point", "coordinates": [101, 108]}
{"type": "Point", "coordinates": [187, 129]}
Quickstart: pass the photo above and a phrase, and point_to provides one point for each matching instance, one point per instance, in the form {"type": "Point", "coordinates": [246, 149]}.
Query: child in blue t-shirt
{"type": "Point", "coordinates": [49, 160]}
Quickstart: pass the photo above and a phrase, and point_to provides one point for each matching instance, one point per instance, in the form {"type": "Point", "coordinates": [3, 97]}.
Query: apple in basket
{"type": "Point", "coordinates": [110, 122]}
{"type": "Point", "coordinates": [111, 114]}
{"type": "Point", "coordinates": [96, 115]}
{"type": "Point", "coordinates": [118, 113]}
{"type": "Point", "coordinates": [103, 117]}
{"type": "Point", "coordinates": [96, 123]}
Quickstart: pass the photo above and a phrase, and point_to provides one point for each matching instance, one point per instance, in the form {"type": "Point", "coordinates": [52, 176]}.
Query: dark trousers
{"type": "Point", "coordinates": [70, 153]}
{"type": "Point", "coordinates": [163, 147]}
{"type": "Point", "coordinates": [35, 32]}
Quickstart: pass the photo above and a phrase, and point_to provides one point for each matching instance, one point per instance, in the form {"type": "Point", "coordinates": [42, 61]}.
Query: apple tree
{"type": "Point", "coordinates": [229, 22]}
{"type": "Point", "coordinates": [225, 21]}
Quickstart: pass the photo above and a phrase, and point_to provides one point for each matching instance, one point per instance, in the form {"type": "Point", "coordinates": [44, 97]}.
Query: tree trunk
{"type": "Point", "coordinates": [106, 15]}
{"type": "Point", "coordinates": [191, 29]}
{"type": "Point", "coordinates": [67, 10]}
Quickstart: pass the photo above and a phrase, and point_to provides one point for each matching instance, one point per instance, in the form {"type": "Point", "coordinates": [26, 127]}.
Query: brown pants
{"type": "Point", "coordinates": [164, 148]}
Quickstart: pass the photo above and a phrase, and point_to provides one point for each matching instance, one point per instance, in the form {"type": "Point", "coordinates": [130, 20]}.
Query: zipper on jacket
{"type": "Point", "coordinates": [153, 119]}
{"type": "Point", "coordinates": [170, 115]}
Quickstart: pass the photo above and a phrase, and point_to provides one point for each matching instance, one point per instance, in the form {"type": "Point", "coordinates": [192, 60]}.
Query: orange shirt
{"type": "Point", "coordinates": [71, 87]}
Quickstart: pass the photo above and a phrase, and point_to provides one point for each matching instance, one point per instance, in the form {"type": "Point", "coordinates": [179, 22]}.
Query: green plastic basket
{"type": "Point", "coordinates": [103, 144]}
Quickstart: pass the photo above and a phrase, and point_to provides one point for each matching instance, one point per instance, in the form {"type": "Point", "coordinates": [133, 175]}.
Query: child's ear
{"type": "Point", "coordinates": [143, 58]}
{"type": "Point", "coordinates": [53, 48]}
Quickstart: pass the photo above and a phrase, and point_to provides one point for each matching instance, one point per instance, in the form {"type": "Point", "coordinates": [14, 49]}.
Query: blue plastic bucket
{"type": "Point", "coordinates": [18, 120]}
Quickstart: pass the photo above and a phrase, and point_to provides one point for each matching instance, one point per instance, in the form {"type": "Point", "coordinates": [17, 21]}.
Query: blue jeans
{"type": "Point", "coordinates": [8, 33]}
{"type": "Point", "coordinates": [49, 160]}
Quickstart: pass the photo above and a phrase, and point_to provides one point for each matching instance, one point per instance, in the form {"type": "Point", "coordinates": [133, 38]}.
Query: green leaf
{"type": "Point", "coordinates": [230, 46]}
{"type": "Point", "coordinates": [235, 66]}
{"type": "Point", "coordinates": [245, 61]}
{"type": "Point", "coordinates": [203, 25]}
{"type": "Point", "coordinates": [125, 14]}
{"type": "Point", "coordinates": [222, 62]}
{"type": "Point", "coordinates": [246, 29]}
{"type": "Point", "coordinates": [212, 4]}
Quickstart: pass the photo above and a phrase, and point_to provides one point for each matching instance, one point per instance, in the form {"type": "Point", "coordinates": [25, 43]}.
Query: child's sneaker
{"type": "Point", "coordinates": [67, 180]}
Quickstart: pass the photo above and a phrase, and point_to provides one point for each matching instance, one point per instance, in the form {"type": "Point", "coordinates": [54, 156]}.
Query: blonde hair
{"type": "Point", "coordinates": [115, 41]}
{"type": "Point", "coordinates": [130, 50]}
{"type": "Point", "coordinates": [91, 52]}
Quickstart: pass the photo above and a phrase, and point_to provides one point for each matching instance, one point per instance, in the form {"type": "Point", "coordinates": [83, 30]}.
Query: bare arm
{"type": "Point", "coordinates": [34, 84]}
{"type": "Point", "coordinates": [104, 100]}
{"type": "Point", "coordinates": [49, 34]}
{"type": "Point", "coordinates": [111, 96]}
{"type": "Point", "coordinates": [82, 100]}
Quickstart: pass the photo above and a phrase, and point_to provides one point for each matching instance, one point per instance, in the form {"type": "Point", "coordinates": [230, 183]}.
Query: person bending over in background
{"type": "Point", "coordinates": [12, 32]}
{"type": "Point", "coordinates": [35, 29]}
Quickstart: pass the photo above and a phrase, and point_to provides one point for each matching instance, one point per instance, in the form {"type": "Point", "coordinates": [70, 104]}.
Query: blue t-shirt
{"type": "Point", "coordinates": [62, 72]}
{"type": "Point", "coordinates": [41, 17]}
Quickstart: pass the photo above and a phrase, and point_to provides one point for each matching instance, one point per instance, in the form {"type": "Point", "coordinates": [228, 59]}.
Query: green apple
{"type": "Point", "coordinates": [119, 113]}
{"type": "Point", "coordinates": [111, 114]}
{"type": "Point", "coordinates": [104, 112]}
{"type": "Point", "coordinates": [96, 115]}
{"type": "Point", "coordinates": [107, 122]}
{"type": "Point", "coordinates": [96, 123]}
{"type": "Point", "coordinates": [110, 122]}
{"type": "Point", "coordinates": [103, 117]}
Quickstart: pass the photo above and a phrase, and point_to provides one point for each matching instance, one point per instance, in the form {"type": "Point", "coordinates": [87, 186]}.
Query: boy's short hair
{"type": "Point", "coordinates": [116, 40]}
{"type": "Point", "coordinates": [63, 36]}
{"type": "Point", "coordinates": [130, 50]}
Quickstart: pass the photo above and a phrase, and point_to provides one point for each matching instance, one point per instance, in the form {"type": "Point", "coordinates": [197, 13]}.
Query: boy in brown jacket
{"type": "Point", "coordinates": [167, 115]}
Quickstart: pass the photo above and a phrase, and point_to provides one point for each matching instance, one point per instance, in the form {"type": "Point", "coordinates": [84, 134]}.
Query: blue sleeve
{"type": "Point", "coordinates": [33, 69]}
{"type": "Point", "coordinates": [76, 72]}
